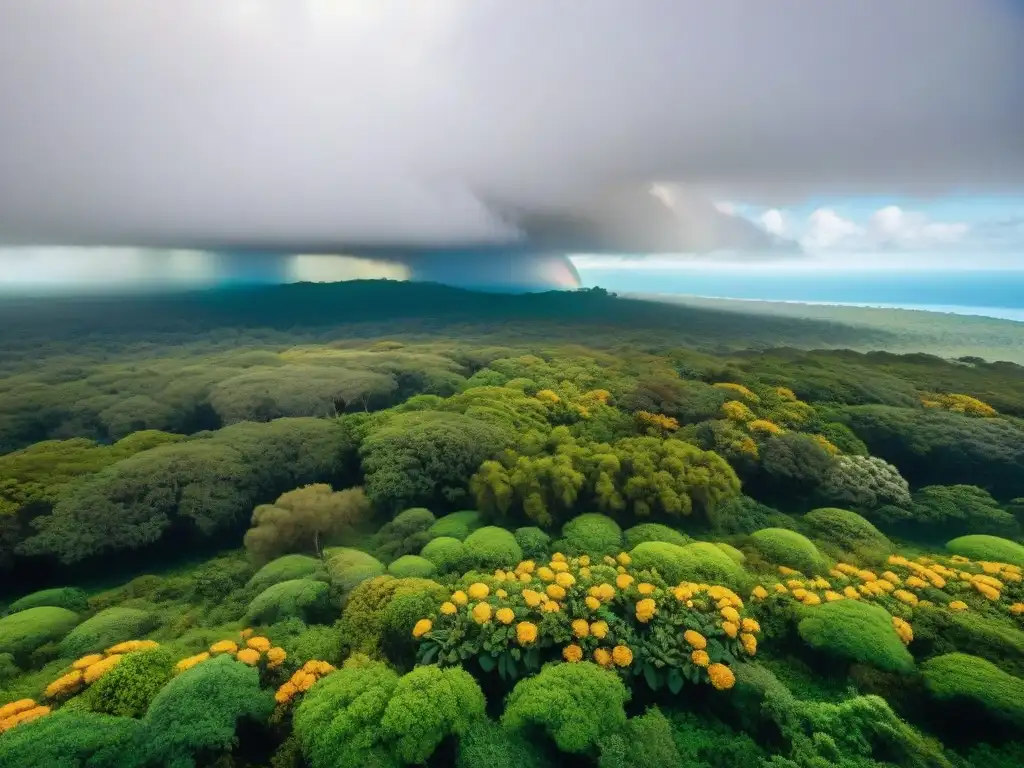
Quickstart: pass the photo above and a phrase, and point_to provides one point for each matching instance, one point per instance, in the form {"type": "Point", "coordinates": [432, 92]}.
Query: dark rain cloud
{"type": "Point", "coordinates": [326, 124]}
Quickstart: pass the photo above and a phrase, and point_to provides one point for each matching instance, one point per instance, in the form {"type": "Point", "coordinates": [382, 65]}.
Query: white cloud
{"type": "Point", "coordinates": [892, 226]}
{"type": "Point", "coordinates": [826, 229]}
{"type": "Point", "coordinates": [724, 206]}
{"type": "Point", "coordinates": [774, 222]}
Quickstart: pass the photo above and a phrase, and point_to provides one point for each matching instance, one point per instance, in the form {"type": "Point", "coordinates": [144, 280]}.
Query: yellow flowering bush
{"type": "Point", "coordinates": [302, 680]}
{"type": "Point", "coordinates": [20, 711]}
{"type": "Point", "coordinates": [575, 609]}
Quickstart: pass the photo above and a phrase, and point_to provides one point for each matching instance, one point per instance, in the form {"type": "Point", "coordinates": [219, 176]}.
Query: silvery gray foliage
{"type": "Point", "coordinates": [865, 482]}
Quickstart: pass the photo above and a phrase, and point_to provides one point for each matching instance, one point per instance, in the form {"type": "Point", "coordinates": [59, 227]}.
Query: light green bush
{"type": "Point", "coordinates": [982, 547]}
{"type": "Point", "coordinates": [24, 631]}
{"type": "Point", "coordinates": [457, 525]}
{"type": "Point", "coordinates": [535, 543]}
{"type": "Point", "coordinates": [368, 616]}
{"type": "Point", "coordinates": [412, 566]}
{"type": "Point", "coordinates": [338, 722]}
{"type": "Point", "coordinates": [446, 553]}
{"type": "Point", "coordinates": [699, 561]}
{"type": "Point", "coordinates": [575, 704]}
{"type": "Point", "coordinates": [297, 598]}
{"type": "Point", "coordinates": [734, 554]}
{"type": "Point", "coordinates": [785, 547]}
{"type": "Point", "coordinates": [427, 705]}
{"type": "Point", "coordinates": [976, 682]}
{"type": "Point", "coordinates": [105, 629]}
{"type": "Point", "coordinates": [848, 530]}
{"type": "Point", "coordinates": [285, 568]}
{"type": "Point", "coordinates": [405, 535]}
{"type": "Point", "coordinates": [591, 534]}
{"type": "Point", "coordinates": [71, 598]}
{"type": "Point", "coordinates": [128, 688]}
{"type": "Point", "coordinates": [638, 534]}
{"type": "Point", "coordinates": [491, 547]}
{"type": "Point", "coordinates": [317, 642]}
{"type": "Point", "coordinates": [856, 631]}
{"type": "Point", "coordinates": [347, 567]}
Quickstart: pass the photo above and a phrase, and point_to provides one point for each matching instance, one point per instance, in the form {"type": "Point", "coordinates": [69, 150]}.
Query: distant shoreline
{"type": "Point", "coordinates": [996, 313]}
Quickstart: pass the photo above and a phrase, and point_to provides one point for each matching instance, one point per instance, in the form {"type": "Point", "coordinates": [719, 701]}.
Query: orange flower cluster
{"type": "Point", "coordinates": [20, 711]}
{"type": "Point", "coordinates": [302, 680]}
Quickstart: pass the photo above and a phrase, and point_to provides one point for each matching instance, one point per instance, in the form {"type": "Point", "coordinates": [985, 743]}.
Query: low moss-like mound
{"type": "Point", "coordinates": [24, 631]}
{"type": "Point", "coordinates": [457, 525]}
{"type": "Point", "coordinates": [284, 568]}
{"type": "Point", "coordinates": [974, 681]}
{"type": "Point", "coordinates": [446, 553]}
{"type": "Point", "coordinates": [857, 631]}
{"type": "Point", "coordinates": [491, 547]}
{"type": "Point", "coordinates": [732, 552]}
{"type": "Point", "coordinates": [71, 598]}
{"type": "Point", "coordinates": [846, 529]}
{"type": "Point", "coordinates": [105, 629]}
{"type": "Point", "coordinates": [303, 599]}
{"type": "Point", "coordinates": [348, 567]}
{"type": "Point", "coordinates": [638, 534]}
{"type": "Point", "coordinates": [982, 547]}
{"type": "Point", "coordinates": [789, 548]}
{"type": "Point", "coordinates": [699, 562]}
{"type": "Point", "coordinates": [534, 542]}
{"type": "Point", "coordinates": [591, 534]}
{"type": "Point", "coordinates": [412, 566]}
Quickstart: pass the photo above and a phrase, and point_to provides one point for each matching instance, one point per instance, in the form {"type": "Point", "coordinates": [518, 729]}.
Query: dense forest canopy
{"type": "Point", "coordinates": [393, 524]}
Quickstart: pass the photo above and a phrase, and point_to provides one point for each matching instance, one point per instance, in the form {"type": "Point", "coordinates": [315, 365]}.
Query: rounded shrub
{"type": "Point", "coordinates": [412, 565]}
{"type": "Point", "coordinates": [303, 599]}
{"type": "Point", "coordinates": [24, 631]}
{"type": "Point", "coordinates": [699, 562]}
{"type": "Point", "coordinates": [575, 704]}
{"type": "Point", "coordinates": [977, 682]}
{"type": "Point", "coordinates": [405, 535]}
{"type": "Point", "coordinates": [491, 547]}
{"type": "Point", "coordinates": [591, 534]}
{"type": "Point", "coordinates": [105, 629]}
{"type": "Point", "coordinates": [789, 548]}
{"type": "Point", "coordinates": [734, 554]}
{"type": "Point", "coordinates": [128, 688]}
{"type": "Point", "coordinates": [368, 615]}
{"type": "Point", "coordinates": [534, 541]}
{"type": "Point", "coordinates": [348, 567]}
{"type": "Point", "coordinates": [638, 534]}
{"type": "Point", "coordinates": [199, 710]}
{"type": "Point", "coordinates": [856, 631]}
{"type": "Point", "coordinates": [848, 530]}
{"type": "Point", "coordinates": [317, 642]}
{"type": "Point", "coordinates": [427, 705]}
{"type": "Point", "coordinates": [68, 739]}
{"type": "Point", "coordinates": [71, 598]}
{"type": "Point", "coordinates": [446, 553]}
{"type": "Point", "coordinates": [285, 568]}
{"type": "Point", "coordinates": [457, 525]}
{"type": "Point", "coordinates": [338, 722]}
{"type": "Point", "coordinates": [982, 547]}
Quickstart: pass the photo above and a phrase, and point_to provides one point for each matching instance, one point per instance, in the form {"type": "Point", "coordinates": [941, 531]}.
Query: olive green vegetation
{"type": "Point", "coordinates": [856, 631]}
{"type": "Point", "coordinates": [331, 470]}
{"type": "Point", "coordinates": [982, 547]}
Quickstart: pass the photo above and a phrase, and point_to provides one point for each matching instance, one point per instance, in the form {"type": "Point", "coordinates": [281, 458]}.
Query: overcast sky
{"type": "Point", "coordinates": [290, 123]}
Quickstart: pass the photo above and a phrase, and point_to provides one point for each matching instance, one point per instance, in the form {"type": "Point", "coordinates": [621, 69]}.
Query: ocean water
{"type": "Point", "coordinates": [987, 293]}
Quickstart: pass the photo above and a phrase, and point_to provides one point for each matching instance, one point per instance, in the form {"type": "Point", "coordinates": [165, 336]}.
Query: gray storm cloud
{"type": "Point", "coordinates": [316, 125]}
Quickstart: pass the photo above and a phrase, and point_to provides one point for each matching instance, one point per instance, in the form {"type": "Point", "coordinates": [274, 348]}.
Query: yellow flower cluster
{"type": "Point", "coordinates": [736, 411]}
{"type": "Point", "coordinates": [20, 711]}
{"type": "Point", "coordinates": [255, 648]}
{"type": "Point", "coordinates": [190, 661]}
{"type": "Point", "coordinates": [302, 680]}
{"type": "Point", "coordinates": [722, 678]}
{"type": "Point", "coordinates": [765, 426]}
{"type": "Point", "coordinates": [645, 610]}
{"type": "Point", "coordinates": [740, 390]}
{"type": "Point", "coordinates": [90, 668]}
{"type": "Point", "coordinates": [903, 629]}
